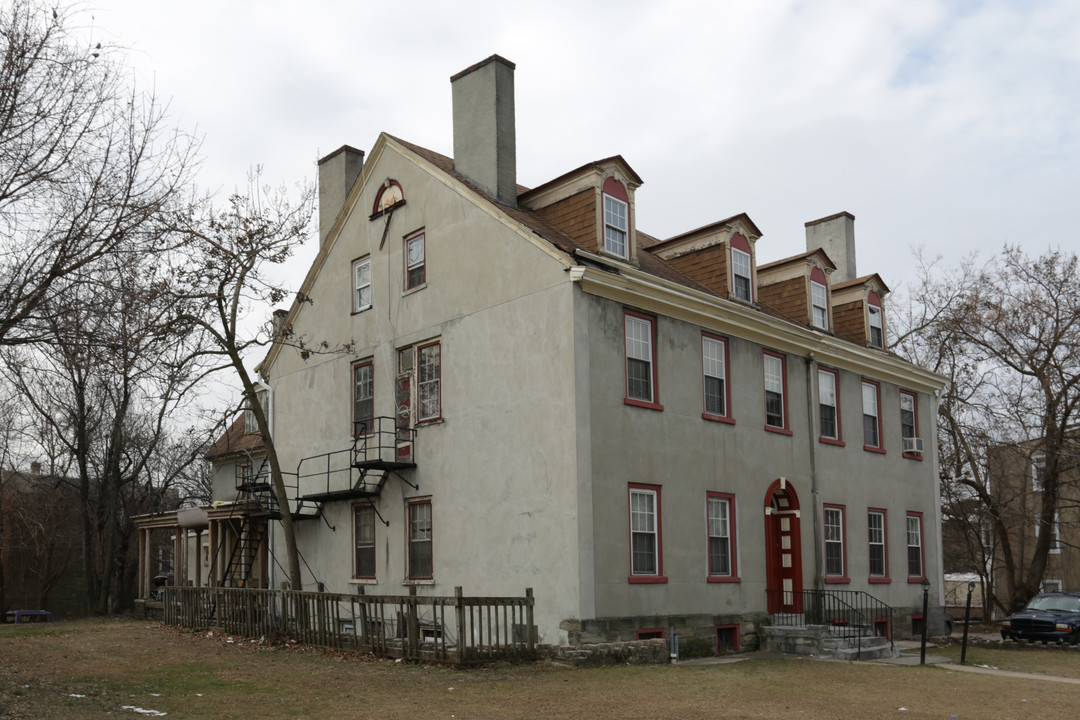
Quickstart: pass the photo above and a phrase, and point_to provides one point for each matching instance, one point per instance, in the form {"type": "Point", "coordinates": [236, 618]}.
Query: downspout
{"type": "Point", "coordinates": [271, 570]}
{"type": "Point", "coordinates": [815, 522]}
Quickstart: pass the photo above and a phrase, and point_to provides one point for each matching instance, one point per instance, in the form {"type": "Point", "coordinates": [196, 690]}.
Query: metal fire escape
{"type": "Point", "coordinates": [380, 448]}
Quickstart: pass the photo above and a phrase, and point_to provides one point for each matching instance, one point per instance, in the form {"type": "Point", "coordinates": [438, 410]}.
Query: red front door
{"type": "Point", "coordinates": [783, 549]}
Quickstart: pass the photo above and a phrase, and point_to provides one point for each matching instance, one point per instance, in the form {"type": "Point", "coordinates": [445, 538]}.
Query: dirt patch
{"type": "Point", "coordinates": [89, 669]}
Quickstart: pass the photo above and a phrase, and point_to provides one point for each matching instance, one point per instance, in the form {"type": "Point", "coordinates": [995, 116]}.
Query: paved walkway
{"type": "Point", "coordinates": [909, 655]}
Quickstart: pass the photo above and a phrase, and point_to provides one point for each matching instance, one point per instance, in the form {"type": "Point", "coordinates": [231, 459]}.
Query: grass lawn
{"type": "Point", "coordinates": [1063, 661]}
{"type": "Point", "coordinates": [91, 669]}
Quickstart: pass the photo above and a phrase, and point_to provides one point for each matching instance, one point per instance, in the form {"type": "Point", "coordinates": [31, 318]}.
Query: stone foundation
{"type": "Point", "coordinates": [697, 633]}
{"type": "Point", "coordinates": [634, 652]}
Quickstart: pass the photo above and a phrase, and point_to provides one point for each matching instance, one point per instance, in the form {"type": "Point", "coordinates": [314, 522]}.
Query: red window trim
{"type": "Point", "coordinates": [915, 401]}
{"type": "Point", "coordinates": [408, 538]}
{"type": "Point", "coordinates": [739, 242]}
{"type": "Point", "coordinates": [844, 578]}
{"type": "Point", "coordinates": [880, 447]}
{"type": "Point", "coordinates": [375, 212]}
{"type": "Point", "coordinates": [614, 187]}
{"type": "Point", "coordinates": [736, 646]}
{"type": "Point", "coordinates": [786, 429]}
{"type": "Point", "coordinates": [922, 546]}
{"type": "Point", "coordinates": [839, 439]}
{"type": "Point", "coordinates": [727, 417]}
{"type": "Point", "coordinates": [885, 547]}
{"type": "Point", "coordinates": [817, 275]}
{"type": "Point", "coordinates": [655, 404]}
{"type": "Point", "coordinates": [355, 508]}
{"type": "Point", "coordinates": [732, 536]}
{"type": "Point", "coordinates": [407, 288]}
{"type": "Point", "coordinates": [650, 631]}
{"type": "Point", "coordinates": [416, 365]}
{"type": "Point", "coordinates": [659, 577]}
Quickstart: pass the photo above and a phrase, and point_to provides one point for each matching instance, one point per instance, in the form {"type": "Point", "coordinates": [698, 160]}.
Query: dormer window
{"type": "Point", "coordinates": [877, 327]}
{"type": "Point", "coordinates": [820, 305]}
{"type": "Point", "coordinates": [740, 274]}
{"type": "Point", "coordinates": [819, 299]}
{"type": "Point", "coordinates": [616, 219]}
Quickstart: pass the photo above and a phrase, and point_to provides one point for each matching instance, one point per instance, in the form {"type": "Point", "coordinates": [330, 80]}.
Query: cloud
{"type": "Point", "coordinates": [950, 124]}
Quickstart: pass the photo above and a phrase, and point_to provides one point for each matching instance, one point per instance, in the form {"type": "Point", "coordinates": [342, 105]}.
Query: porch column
{"type": "Point", "coordinates": [198, 557]}
{"type": "Point", "coordinates": [178, 550]}
{"type": "Point", "coordinates": [142, 564]}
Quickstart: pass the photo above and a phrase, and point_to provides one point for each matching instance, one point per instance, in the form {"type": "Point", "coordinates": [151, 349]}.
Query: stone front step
{"type": "Point", "coordinates": [822, 641]}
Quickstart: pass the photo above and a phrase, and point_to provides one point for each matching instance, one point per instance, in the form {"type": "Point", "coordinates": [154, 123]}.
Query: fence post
{"type": "Point", "coordinates": [529, 619]}
{"type": "Point", "coordinates": [414, 624]}
{"type": "Point", "coordinates": [459, 610]}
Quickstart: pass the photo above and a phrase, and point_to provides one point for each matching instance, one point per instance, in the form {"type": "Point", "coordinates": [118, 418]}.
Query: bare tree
{"type": "Point", "coordinates": [231, 254]}
{"type": "Point", "coordinates": [1007, 336]}
{"type": "Point", "coordinates": [116, 368]}
{"type": "Point", "coordinates": [85, 162]}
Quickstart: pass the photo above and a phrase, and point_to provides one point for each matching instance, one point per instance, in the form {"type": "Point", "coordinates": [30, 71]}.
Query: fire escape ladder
{"type": "Point", "coordinates": [244, 552]}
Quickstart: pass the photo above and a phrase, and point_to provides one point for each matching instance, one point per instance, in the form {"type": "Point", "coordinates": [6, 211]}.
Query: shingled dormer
{"type": "Point", "coordinates": [859, 310]}
{"type": "Point", "coordinates": [593, 205]}
{"type": "Point", "coordinates": [720, 256]}
{"type": "Point", "coordinates": [798, 287]}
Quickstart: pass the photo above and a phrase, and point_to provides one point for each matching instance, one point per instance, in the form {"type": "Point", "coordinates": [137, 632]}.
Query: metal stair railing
{"type": "Point", "coordinates": [849, 614]}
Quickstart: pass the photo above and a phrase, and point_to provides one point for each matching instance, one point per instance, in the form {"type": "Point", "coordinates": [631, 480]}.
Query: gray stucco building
{"type": "Point", "coordinates": [652, 434]}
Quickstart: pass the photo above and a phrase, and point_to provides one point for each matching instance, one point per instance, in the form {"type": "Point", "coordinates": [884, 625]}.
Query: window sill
{"type": "Point", "coordinates": [837, 580]}
{"type": "Point", "coordinates": [916, 580]}
{"type": "Point", "coordinates": [614, 256]}
{"type": "Point", "coordinates": [428, 581]}
{"type": "Point", "coordinates": [879, 580]}
{"type": "Point", "coordinates": [718, 418]}
{"type": "Point", "coordinates": [913, 456]}
{"type": "Point", "coordinates": [778, 430]}
{"type": "Point", "coordinates": [646, 579]}
{"type": "Point", "coordinates": [361, 310]}
{"type": "Point", "coordinates": [363, 581]}
{"type": "Point", "coordinates": [830, 441]}
{"type": "Point", "coordinates": [410, 291]}
{"type": "Point", "coordinates": [430, 421]}
{"type": "Point", "coordinates": [385, 210]}
{"type": "Point", "coordinates": [643, 404]}
{"type": "Point", "coordinates": [870, 448]}
{"type": "Point", "coordinates": [723, 579]}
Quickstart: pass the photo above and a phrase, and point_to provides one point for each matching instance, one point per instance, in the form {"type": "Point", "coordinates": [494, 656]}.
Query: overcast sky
{"type": "Point", "coordinates": [952, 125]}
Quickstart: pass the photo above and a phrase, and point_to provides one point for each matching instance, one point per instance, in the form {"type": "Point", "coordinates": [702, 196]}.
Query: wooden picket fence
{"type": "Point", "coordinates": [457, 629]}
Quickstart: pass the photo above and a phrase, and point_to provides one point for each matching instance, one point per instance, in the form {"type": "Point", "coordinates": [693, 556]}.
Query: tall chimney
{"type": "Point", "coordinates": [35, 468]}
{"type": "Point", "coordinates": [337, 173]}
{"type": "Point", "coordinates": [836, 236]}
{"type": "Point", "coordinates": [485, 146]}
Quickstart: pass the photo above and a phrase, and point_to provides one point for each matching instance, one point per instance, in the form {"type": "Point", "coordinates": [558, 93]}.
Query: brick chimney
{"type": "Point", "coordinates": [337, 174]}
{"type": "Point", "coordinates": [485, 145]}
{"type": "Point", "coordinates": [35, 468]}
{"type": "Point", "coordinates": [836, 236]}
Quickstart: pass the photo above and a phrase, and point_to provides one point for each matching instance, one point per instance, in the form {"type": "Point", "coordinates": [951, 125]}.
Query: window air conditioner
{"type": "Point", "coordinates": [913, 445]}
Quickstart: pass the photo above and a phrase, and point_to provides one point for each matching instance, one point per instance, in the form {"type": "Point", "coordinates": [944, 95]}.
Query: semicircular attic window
{"type": "Point", "coordinates": [390, 194]}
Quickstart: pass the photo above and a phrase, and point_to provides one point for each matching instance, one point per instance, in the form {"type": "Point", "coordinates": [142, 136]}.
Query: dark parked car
{"type": "Point", "coordinates": [1051, 617]}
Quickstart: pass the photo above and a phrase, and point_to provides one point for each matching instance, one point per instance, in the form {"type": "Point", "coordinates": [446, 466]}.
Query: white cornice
{"type": "Point", "coordinates": [648, 292]}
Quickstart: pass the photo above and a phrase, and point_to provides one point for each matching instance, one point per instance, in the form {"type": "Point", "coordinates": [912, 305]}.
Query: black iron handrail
{"type": "Point", "coordinates": [849, 614]}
